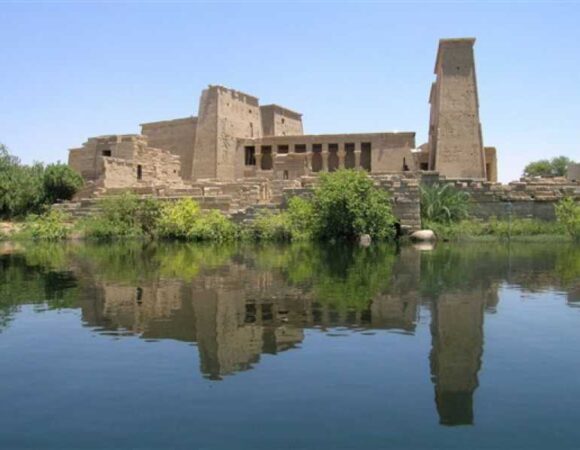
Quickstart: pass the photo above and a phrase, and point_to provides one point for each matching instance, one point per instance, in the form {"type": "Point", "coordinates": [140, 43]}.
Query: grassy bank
{"type": "Point", "coordinates": [446, 211]}
{"type": "Point", "coordinates": [522, 230]}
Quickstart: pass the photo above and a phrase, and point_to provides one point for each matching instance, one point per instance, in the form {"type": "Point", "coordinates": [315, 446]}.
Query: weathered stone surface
{"type": "Point", "coordinates": [455, 141]}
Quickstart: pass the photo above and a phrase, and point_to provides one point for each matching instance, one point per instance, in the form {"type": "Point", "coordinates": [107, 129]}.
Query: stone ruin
{"type": "Point", "coordinates": [239, 156]}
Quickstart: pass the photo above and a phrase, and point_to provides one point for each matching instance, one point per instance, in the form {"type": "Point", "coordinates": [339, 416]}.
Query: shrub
{"type": "Point", "coordinates": [51, 226]}
{"type": "Point", "coordinates": [125, 215]}
{"type": "Point", "coordinates": [213, 226]}
{"type": "Point", "coordinates": [184, 220]}
{"type": "Point", "coordinates": [301, 218]}
{"type": "Point", "coordinates": [177, 218]}
{"type": "Point", "coordinates": [60, 182]}
{"type": "Point", "coordinates": [443, 204]}
{"type": "Point", "coordinates": [568, 214]}
{"type": "Point", "coordinates": [346, 205]}
{"type": "Point", "coordinates": [272, 227]}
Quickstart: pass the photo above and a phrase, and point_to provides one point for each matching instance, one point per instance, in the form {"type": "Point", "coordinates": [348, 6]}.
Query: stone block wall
{"type": "Point", "coordinates": [528, 198]}
{"type": "Point", "coordinates": [279, 121]}
{"type": "Point", "coordinates": [574, 172]}
{"type": "Point", "coordinates": [177, 136]}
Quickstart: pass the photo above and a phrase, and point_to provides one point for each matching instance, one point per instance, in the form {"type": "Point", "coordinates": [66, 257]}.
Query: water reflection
{"type": "Point", "coordinates": [237, 303]}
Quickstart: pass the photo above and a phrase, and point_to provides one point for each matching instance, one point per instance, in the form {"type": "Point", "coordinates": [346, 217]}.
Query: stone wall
{"type": "Point", "coordinates": [573, 172]}
{"type": "Point", "coordinates": [279, 121]}
{"type": "Point", "coordinates": [527, 198]}
{"type": "Point", "coordinates": [124, 162]}
{"type": "Point", "coordinates": [224, 116]}
{"type": "Point", "coordinates": [177, 136]}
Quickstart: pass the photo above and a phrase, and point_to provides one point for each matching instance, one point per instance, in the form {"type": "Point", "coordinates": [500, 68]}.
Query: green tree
{"type": "Point", "coordinates": [557, 166]}
{"type": "Point", "coordinates": [347, 204]}
{"type": "Point", "coordinates": [61, 182]}
{"type": "Point", "coordinates": [21, 187]}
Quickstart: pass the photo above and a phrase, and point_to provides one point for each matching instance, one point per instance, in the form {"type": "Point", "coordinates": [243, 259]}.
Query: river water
{"type": "Point", "coordinates": [170, 346]}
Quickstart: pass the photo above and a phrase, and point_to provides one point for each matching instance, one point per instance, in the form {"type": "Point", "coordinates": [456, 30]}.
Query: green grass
{"type": "Point", "coordinates": [522, 230]}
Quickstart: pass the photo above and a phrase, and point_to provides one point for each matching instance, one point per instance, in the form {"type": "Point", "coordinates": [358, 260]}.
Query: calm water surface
{"type": "Point", "coordinates": [296, 347]}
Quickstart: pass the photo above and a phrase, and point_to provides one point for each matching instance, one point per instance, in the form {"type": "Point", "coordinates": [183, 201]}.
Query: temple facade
{"type": "Point", "coordinates": [234, 138]}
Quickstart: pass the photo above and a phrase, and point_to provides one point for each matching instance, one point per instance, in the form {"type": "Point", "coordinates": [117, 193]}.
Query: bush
{"type": "Point", "coordinates": [213, 226]}
{"type": "Point", "coordinates": [177, 218]}
{"type": "Point", "coordinates": [443, 204]}
{"type": "Point", "coordinates": [185, 221]}
{"type": "Point", "coordinates": [272, 227]}
{"type": "Point", "coordinates": [52, 226]}
{"type": "Point", "coordinates": [301, 218]}
{"type": "Point", "coordinates": [60, 182]}
{"type": "Point", "coordinates": [124, 216]}
{"type": "Point", "coordinates": [21, 188]}
{"type": "Point", "coordinates": [346, 204]}
{"type": "Point", "coordinates": [568, 214]}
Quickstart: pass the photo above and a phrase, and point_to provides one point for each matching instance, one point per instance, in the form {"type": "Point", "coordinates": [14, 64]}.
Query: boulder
{"type": "Point", "coordinates": [364, 240]}
{"type": "Point", "coordinates": [423, 236]}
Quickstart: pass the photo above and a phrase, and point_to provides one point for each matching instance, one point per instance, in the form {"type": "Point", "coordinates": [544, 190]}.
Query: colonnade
{"type": "Point", "coordinates": [325, 150]}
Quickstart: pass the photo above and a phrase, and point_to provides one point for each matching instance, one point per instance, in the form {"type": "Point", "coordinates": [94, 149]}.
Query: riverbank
{"type": "Point", "coordinates": [345, 206]}
{"type": "Point", "coordinates": [273, 229]}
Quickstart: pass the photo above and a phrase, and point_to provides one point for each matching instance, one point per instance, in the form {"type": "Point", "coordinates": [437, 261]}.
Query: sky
{"type": "Point", "coordinates": [77, 69]}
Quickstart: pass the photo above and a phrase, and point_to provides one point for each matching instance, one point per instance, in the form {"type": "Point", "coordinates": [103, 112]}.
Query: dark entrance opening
{"type": "Point", "coordinates": [349, 160]}
{"type": "Point", "coordinates": [332, 157]}
{"type": "Point", "coordinates": [266, 158]}
{"type": "Point", "coordinates": [365, 156]}
{"type": "Point", "coordinates": [139, 171]}
{"type": "Point", "coordinates": [250, 156]}
{"type": "Point", "coordinates": [316, 157]}
{"type": "Point", "coordinates": [106, 152]}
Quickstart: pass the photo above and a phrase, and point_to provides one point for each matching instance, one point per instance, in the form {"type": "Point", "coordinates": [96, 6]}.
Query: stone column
{"type": "Point", "coordinates": [341, 155]}
{"type": "Point", "coordinates": [274, 153]}
{"type": "Point", "coordinates": [309, 154]}
{"type": "Point", "coordinates": [357, 153]}
{"type": "Point", "coordinates": [258, 156]}
{"type": "Point", "coordinates": [324, 155]}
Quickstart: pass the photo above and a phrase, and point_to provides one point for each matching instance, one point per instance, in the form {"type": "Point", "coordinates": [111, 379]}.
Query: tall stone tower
{"type": "Point", "coordinates": [455, 141]}
{"type": "Point", "coordinates": [224, 116]}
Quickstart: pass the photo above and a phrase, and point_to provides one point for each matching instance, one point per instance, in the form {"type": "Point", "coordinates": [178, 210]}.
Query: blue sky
{"type": "Point", "coordinates": [71, 70]}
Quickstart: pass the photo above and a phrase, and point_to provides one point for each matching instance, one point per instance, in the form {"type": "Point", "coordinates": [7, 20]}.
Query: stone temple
{"type": "Point", "coordinates": [234, 140]}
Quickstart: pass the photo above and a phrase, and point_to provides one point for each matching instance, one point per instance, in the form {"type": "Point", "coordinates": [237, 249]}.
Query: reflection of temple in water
{"type": "Point", "coordinates": [237, 312]}
{"type": "Point", "coordinates": [457, 348]}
